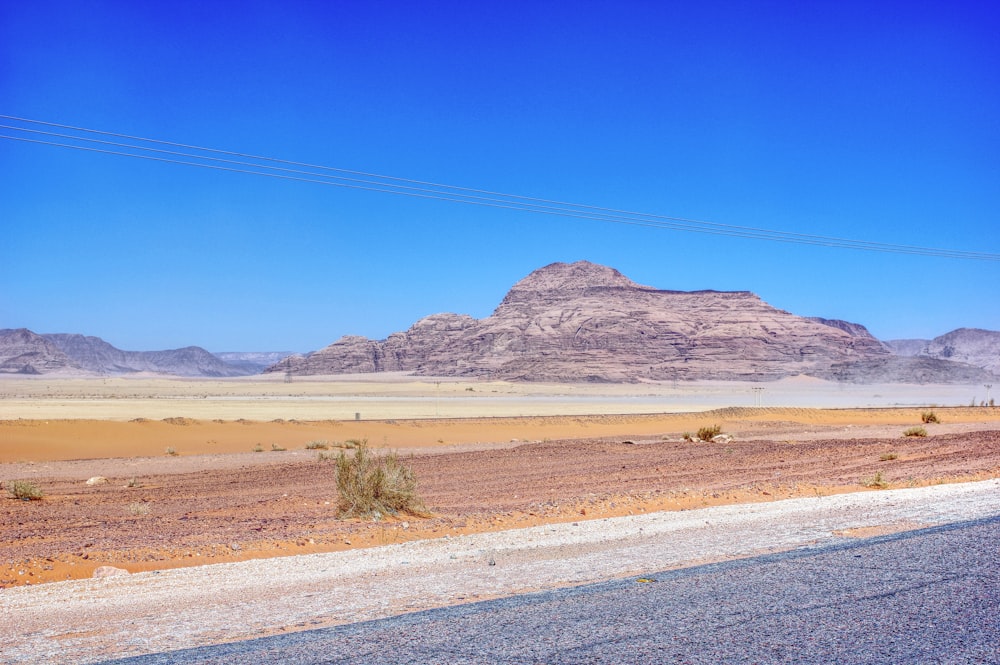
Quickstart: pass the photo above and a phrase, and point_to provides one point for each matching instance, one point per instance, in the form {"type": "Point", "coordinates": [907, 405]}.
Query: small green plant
{"type": "Point", "coordinates": [707, 433]}
{"type": "Point", "coordinates": [133, 482]}
{"type": "Point", "coordinates": [170, 451]}
{"type": "Point", "coordinates": [320, 444]}
{"type": "Point", "coordinates": [915, 431]}
{"type": "Point", "coordinates": [25, 490]}
{"type": "Point", "coordinates": [875, 482]}
{"type": "Point", "coordinates": [929, 417]}
{"type": "Point", "coordinates": [324, 456]}
{"type": "Point", "coordinates": [258, 448]}
{"type": "Point", "coordinates": [277, 449]}
{"type": "Point", "coordinates": [375, 485]}
{"type": "Point", "coordinates": [887, 457]}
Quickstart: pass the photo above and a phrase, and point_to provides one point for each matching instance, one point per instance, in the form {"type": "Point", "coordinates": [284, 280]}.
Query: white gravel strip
{"type": "Point", "coordinates": [85, 621]}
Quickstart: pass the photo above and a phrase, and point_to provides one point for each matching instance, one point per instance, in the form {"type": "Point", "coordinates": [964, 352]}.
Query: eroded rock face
{"type": "Point", "coordinates": [586, 322]}
{"type": "Point", "coordinates": [25, 352]}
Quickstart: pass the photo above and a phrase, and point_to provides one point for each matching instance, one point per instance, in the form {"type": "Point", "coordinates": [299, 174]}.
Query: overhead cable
{"type": "Point", "coordinates": [82, 139]}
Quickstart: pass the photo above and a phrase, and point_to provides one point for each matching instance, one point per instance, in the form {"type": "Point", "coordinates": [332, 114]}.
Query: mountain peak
{"type": "Point", "coordinates": [573, 276]}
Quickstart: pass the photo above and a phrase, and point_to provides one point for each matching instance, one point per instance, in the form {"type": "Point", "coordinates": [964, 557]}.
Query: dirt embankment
{"type": "Point", "coordinates": [164, 512]}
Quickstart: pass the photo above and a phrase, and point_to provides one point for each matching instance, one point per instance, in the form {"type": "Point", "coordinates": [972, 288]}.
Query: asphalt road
{"type": "Point", "coordinates": [926, 596]}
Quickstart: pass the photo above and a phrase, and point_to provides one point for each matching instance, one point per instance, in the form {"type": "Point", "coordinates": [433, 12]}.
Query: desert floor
{"type": "Point", "coordinates": [488, 457]}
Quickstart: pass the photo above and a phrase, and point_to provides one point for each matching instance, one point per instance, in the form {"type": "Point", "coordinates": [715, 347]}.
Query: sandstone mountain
{"type": "Point", "coordinates": [586, 322]}
{"type": "Point", "coordinates": [973, 346]}
{"type": "Point", "coordinates": [24, 352]}
{"type": "Point", "coordinates": [95, 355]}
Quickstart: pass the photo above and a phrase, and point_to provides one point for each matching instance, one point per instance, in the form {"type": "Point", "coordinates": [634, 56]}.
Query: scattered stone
{"type": "Point", "coordinates": [722, 438]}
{"type": "Point", "coordinates": [97, 480]}
{"type": "Point", "coordinates": [109, 571]}
{"type": "Point", "coordinates": [235, 547]}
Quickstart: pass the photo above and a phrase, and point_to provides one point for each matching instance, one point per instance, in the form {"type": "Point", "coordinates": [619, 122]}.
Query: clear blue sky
{"type": "Point", "coordinates": [870, 121]}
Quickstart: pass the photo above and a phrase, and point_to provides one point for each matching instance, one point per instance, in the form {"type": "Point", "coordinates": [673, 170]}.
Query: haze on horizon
{"type": "Point", "coordinates": [873, 122]}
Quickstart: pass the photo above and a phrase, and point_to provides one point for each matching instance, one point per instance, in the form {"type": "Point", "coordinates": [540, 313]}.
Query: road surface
{"type": "Point", "coordinates": [923, 596]}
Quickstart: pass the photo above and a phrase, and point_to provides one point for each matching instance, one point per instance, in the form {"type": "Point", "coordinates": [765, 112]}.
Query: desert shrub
{"type": "Point", "coordinates": [324, 456]}
{"type": "Point", "coordinates": [138, 508]}
{"type": "Point", "coordinates": [258, 448]}
{"type": "Point", "coordinates": [374, 485]}
{"type": "Point", "coordinates": [688, 436]}
{"type": "Point", "coordinates": [886, 457]}
{"type": "Point", "coordinates": [875, 482]}
{"type": "Point", "coordinates": [929, 417]}
{"type": "Point", "coordinates": [320, 444]}
{"type": "Point", "coordinates": [170, 451]}
{"type": "Point", "coordinates": [706, 433]}
{"type": "Point", "coordinates": [355, 443]}
{"type": "Point", "coordinates": [915, 431]}
{"type": "Point", "coordinates": [278, 449]}
{"type": "Point", "coordinates": [25, 490]}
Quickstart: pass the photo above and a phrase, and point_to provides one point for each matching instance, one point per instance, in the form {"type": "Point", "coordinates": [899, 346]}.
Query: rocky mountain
{"type": "Point", "coordinates": [586, 322]}
{"type": "Point", "coordinates": [95, 355]}
{"type": "Point", "coordinates": [973, 346]}
{"type": "Point", "coordinates": [24, 352]}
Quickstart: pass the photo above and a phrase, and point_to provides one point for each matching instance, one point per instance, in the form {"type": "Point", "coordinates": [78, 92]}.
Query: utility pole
{"type": "Point", "coordinates": [988, 386]}
{"type": "Point", "coordinates": [757, 394]}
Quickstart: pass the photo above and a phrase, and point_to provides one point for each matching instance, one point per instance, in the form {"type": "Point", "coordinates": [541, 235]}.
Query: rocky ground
{"type": "Point", "coordinates": [208, 509]}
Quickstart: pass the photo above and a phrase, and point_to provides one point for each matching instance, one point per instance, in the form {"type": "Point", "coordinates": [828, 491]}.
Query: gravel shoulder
{"type": "Point", "coordinates": [86, 621]}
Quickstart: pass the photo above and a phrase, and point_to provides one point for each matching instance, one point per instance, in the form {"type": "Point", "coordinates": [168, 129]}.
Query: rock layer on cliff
{"type": "Point", "coordinates": [586, 322]}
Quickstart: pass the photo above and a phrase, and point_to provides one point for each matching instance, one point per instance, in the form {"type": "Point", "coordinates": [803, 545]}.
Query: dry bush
{"type": "Point", "coordinates": [876, 481]}
{"type": "Point", "coordinates": [374, 485]}
{"type": "Point", "coordinates": [320, 444]}
{"type": "Point", "coordinates": [707, 433]}
{"type": "Point", "coordinates": [138, 508]}
{"type": "Point", "coordinates": [25, 490]}
{"type": "Point", "coordinates": [915, 431]}
{"type": "Point", "coordinates": [929, 417]}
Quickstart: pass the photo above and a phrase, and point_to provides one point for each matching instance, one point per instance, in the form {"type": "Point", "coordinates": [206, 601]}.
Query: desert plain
{"type": "Point", "coordinates": [193, 472]}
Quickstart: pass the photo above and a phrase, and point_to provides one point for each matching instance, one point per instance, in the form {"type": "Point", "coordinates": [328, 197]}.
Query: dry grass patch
{"type": "Point", "coordinates": [708, 433]}
{"type": "Point", "coordinates": [25, 490]}
{"type": "Point", "coordinates": [372, 485]}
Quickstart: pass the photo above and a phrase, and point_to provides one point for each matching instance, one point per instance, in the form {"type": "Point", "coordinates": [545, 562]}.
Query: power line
{"type": "Point", "coordinates": [131, 146]}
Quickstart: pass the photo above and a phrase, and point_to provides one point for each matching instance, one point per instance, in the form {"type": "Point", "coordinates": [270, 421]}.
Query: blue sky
{"type": "Point", "coordinates": [869, 121]}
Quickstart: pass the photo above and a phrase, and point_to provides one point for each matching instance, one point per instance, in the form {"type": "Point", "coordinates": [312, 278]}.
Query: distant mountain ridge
{"type": "Point", "coordinates": [587, 322]}
{"type": "Point", "coordinates": [253, 362]}
{"type": "Point", "coordinates": [568, 322]}
{"type": "Point", "coordinates": [973, 346]}
{"type": "Point", "coordinates": [25, 352]}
